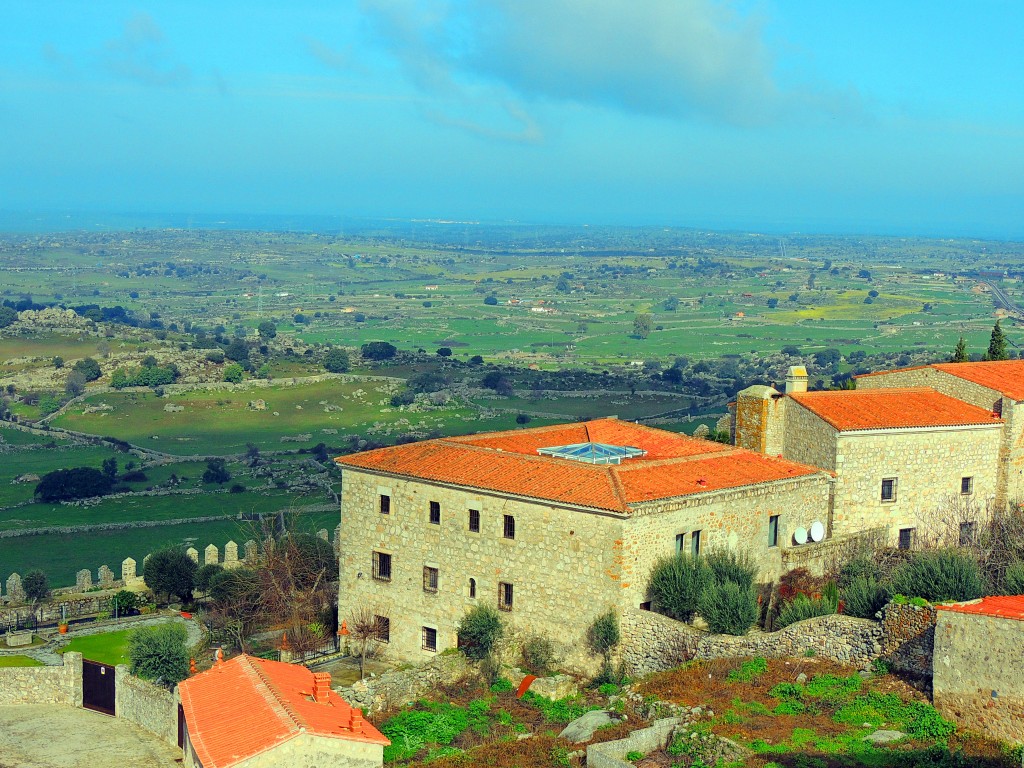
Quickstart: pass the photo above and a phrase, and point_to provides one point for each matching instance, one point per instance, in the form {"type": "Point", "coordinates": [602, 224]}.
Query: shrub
{"type": "Point", "coordinates": [676, 585]}
{"type": "Point", "coordinates": [603, 634]}
{"type": "Point", "coordinates": [798, 581]}
{"type": "Point", "coordinates": [861, 566]}
{"type": "Point", "coordinates": [804, 607]}
{"type": "Point", "coordinates": [727, 565]}
{"type": "Point", "coordinates": [748, 670]}
{"type": "Point", "coordinates": [77, 483]}
{"type": "Point", "coordinates": [479, 631]}
{"type": "Point", "coordinates": [863, 597]}
{"type": "Point", "coordinates": [36, 586]}
{"type": "Point", "coordinates": [170, 572]}
{"type": "Point", "coordinates": [1013, 581]}
{"type": "Point", "coordinates": [124, 602]}
{"type": "Point", "coordinates": [729, 608]}
{"type": "Point", "coordinates": [336, 360]}
{"type": "Point", "coordinates": [204, 575]}
{"type": "Point", "coordinates": [159, 653]}
{"type": "Point", "coordinates": [538, 656]}
{"type": "Point", "coordinates": [943, 574]}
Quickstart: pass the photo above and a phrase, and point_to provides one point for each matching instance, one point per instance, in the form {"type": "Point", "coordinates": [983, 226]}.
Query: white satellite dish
{"type": "Point", "coordinates": [800, 535]}
{"type": "Point", "coordinates": [817, 531]}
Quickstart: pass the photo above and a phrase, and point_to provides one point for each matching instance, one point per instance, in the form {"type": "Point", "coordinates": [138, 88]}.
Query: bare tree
{"type": "Point", "coordinates": [365, 627]}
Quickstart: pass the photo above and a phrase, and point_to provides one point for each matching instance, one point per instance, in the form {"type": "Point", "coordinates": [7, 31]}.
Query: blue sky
{"type": "Point", "coordinates": [903, 117]}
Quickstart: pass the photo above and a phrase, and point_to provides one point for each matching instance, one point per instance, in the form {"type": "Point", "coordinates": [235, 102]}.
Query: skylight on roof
{"type": "Point", "coordinates": [593, 453]}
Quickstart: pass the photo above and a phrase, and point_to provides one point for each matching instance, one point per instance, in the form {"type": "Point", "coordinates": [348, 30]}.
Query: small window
{"type": "Point", "coordinates": [472, 588]}
{"type": "Point", "coordinates": [381, 566]}
{"type": "Point", "coordinates": [680, 543]}
{"type": "Point", "coordinates": [385, 504]}
{"type": "Point", "coordinates": [967, 533]}
{"type": "Point", "coordinates": [889, 489]}
{"type": "Point", "coordinates": [435, 512]}
{"type": "Point", "coordinates": [773, 531]}
{"type": "Point", "coordinates": [505, 596]}
{"type": "Point", "coordinates": [474, 521]}
{"type": "Point", "coordinates": [430, 639]}
{"type": "Point", "coordinates": [510, 527]}
{"type": "Point", "coordinates": [429, 579]}
{"type": "Point", "coordinates": [966, 485]}
{"type": "Point", "coordinates": [383, 628]}
{"type": "Point", "coordinates": [906, 538]}
{"type": "Point", "coordinates": [695, 543]}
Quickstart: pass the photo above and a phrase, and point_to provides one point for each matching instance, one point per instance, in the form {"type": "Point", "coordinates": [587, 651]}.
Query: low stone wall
{"type": "Point", "coordinates": [612, 754]}
{"type": "Point", "coordinates": [908, 638]}
{"type": "Point", "coordinates": [654, 643]}
{"type": "Point", "coordinates": [147, 705]}
{"type": "Point", "coordinates": [400, 687]}
{"type": "Point", "coordinates": [43, 685]}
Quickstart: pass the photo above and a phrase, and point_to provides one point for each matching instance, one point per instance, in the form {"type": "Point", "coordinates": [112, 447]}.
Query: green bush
{"type": "Point", "coordinates": [160, 653]}
{"type": "Point", "coordinates": [676, 585]}
{"type": "Point", "coordinates": [1013, 581]}
{"type": "Point", "coordinates": [538, 656]}
{"type": "Point", "coordinates": [603, 634]}
{"type": "Point", "coordinates": [729, 608]}
{"type": "Point", "coordinates": [479, 631]}
{"type": "Point", "coordinates": [412, 730]}
{"type": "Point", "coordinates": [863, 597]}
{"type": "Point", "coordinates": [748, 670]}
{"type": "Point", "coordinates": [862, 566]}
{"type": "Point", "coordinates": [728, 566]}
{"type": "Point", "coordinates": [204, 575]}
{"type": "Point", "coordinates": [943, 574]}
{"type": "Point", "coordinates": [804, 607]}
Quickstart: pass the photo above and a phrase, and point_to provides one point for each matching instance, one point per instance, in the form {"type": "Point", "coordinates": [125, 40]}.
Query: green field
{"type": "Point", "coordinates": [19, 661]}
{"type": "Point", "coordinates": [105, 647]}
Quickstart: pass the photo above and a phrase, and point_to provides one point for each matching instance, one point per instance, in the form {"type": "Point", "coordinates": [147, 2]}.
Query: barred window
{"type": "Point", "coordinates": [889, 489]}
{"type": "Point", "coordinates": [381, 566]}
{"type": "Point", "coordinates": [383, 628]}
{"type": "Point", "coordinates": [429, 579]}
{"type": "Point", "coordinates": [430, 639]}
{"type": "Point", "coordinates": [510, 527]}
{"type": "Point", "coordinates": [435, 512]}
{"type": "Point", "coordinates": [906, 538]}
{"type": "Point", "coordinates": [966, 485]}
{"type": "Point", "coordinates": [505, 596]}
{"type": "Point", "coordinates": [474, 521]}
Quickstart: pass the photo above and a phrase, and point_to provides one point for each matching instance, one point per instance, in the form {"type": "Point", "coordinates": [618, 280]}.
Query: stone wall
{"type": "Point", "coordinates": [758, 419]}
{"type": "Point", "coordinates": [979, 673]}
{"type": "Point", "coordinates": [612, 754]}
{"type": "Point", "coordinates": [908, 638]}
{"type": "Point", "coordinates": [654, 643]}
{"type": "Point", "coordinates": [809, 439]}
{"type": "Point", "coordinates": [147, 705]}
{"type": "Point", "coordinates": [399, 687]}
{"type": "Point", "coordinates": [43, 685]}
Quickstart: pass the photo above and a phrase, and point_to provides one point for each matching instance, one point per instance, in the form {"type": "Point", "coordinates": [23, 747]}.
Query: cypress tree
{"type": "Point", "coordinates": [997, 344]}
{"type": "Point", "coordinates": [960, 353]}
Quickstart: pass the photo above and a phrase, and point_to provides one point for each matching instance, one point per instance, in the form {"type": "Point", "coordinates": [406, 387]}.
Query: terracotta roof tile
{"type": "Point", "coordinates": [892, 408]}
{"type": "Point", "coordinates": [1004, 606]}
{"type": "Point", "coordinates": [507, 462]}
{"type": "Point", "coordinates": [246, 706]}
{"type": "Point", "coordinates": [1004, 376]}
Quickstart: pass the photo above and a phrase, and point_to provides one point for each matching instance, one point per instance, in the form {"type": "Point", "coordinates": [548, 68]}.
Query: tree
{"type": "Point", "coordinates": [216, 472]}
{"type": "Point", "coordinates": [671, 304]}
{"type": "Point", "coordinates": [267, 330]}
{"type": "Point", "coordinates": [170, 572]}
{"type": "Point", "coordinates": [205, 574]}
{"type": "Point", "coordinates": [562, 285]}
{"type": "Point", "coordinates": [773, 303]}
{"type": "Point", "coordinates": [68, 484]}
{"type": "Point", "coordinates": [36, 586]}
{"type": "Point", "coordinates": [336, 360]}
{"type": "Point", "coordinates": [7, 316]}
{"type": "Point", "coordinates": [58, 362]}
{"type": "Point", "coordinates": [89, 368]}
{"type": "Point", "coordinates": [997, 344]}
{"type": "Point", "coordinates": [642, 325]}
{"type": "Point", "coordinates": [378, 350]}
{"type": "Point", "coordinates": [364, 627]}
{"type": "Point", "coordinates": [491, 301]}
{"type": "Point", "coordinates": [160, 653]}
{"type": "Point", "coordinates": [479, 631]}
{"type": "Point", "coordinates": [124, 602]}
{"type": "Point", "coordinates": [75, 384]}
{"type": "Point", "coordinates": [110, 468]}
{"type": "Point", "coordinates": [602, 637]}
{"type": "Point", "coordinates": [149, 361]}
{"type": "Point", "coordinates": [233, 373]}
{"type": "Point", "coordinates": [237, 350]}
{"type": "Point", "coordinates": [444, 352]}
{"type": "Point", "coordinates": [960, 353]}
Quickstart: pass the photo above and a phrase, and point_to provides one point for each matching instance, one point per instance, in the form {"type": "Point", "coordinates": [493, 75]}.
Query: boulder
{"type": "Point", "coordinates": [582, 728]}
{"type": "Point", "coordinates": [884, 737]}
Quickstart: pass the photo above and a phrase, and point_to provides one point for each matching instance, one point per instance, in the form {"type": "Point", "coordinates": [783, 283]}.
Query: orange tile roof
{"type": "Point", "coordinates": [507, 462]}
{"type": "Point", "coordinates": [1004, 376]}
{"type": "Point", "coordinates": [892, 408]}
{"type": "Point", "coordinates": [246, 706]}
{"type": "Point", "coordinates": [1003, 606]}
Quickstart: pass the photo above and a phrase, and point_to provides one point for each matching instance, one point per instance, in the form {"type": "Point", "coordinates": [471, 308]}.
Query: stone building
{"type": "Point", "coordinates": [996, 386]}
{"type": "Point", "coordinates": [254, 713]}
{"type": "Point", "coordinates": [553, 525]}
{"type": "Point", "coordinates": [903, 457]}
{"type": "Point", "coordinates": [978, 666]}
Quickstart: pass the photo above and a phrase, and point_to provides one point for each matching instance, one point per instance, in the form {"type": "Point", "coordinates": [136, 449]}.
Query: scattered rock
{"type": "Point", "coordinates": [884, 737]}
{"type": "Point", "coordinates": [582, 728]}
{"type": "Point", "coordinates": [801, 678]}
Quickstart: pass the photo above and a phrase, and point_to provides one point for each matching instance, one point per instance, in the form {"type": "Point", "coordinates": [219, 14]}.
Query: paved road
{"type": "Point", "coordinates": [1002, 299]}
{"type": "Point", "coordinates": [56, 736]}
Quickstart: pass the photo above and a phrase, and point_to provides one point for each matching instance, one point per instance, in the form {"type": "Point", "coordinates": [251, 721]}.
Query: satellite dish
{"type": "Point", "coordinates": [817, 531]}
{"type": "Point", "coordinates": [800, 535]}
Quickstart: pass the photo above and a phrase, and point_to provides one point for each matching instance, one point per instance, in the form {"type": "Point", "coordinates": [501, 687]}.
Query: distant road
{"type": "Point", "coordinates": [1003, 301]}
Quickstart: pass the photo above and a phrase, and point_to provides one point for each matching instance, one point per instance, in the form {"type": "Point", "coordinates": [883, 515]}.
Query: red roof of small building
{"type": "Point", "coordinates": [1003, 376]}
{"type": "Point", "coordinates": [507, 462]}
{"type": "Point", "coordinates": [892, 408]}
{"type": "Point", "coordinates": [247, 706]}
{"type": "Point", "coordinates": [1002, 606]}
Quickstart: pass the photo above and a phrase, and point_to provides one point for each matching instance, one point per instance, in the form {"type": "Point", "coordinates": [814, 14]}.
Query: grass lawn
{"type": "Point", "coordinates": [106, 647]}
{"type": "Point", "coordinates": [19, 661]}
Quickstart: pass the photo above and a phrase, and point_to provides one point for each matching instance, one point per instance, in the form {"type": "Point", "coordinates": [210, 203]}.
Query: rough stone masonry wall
{"type": "Point", "coordinates": [43, 685]}
{"type": "Point", "coordinates": [564, 563]}
{"type": "Point", "coordinates": [809, 439]}
{"type": "Point", "coordinates": [399, 687]}
{"type": "Point", "coordinates": [309, 751]}
{"type": "Point", "coordinates": [979, 673]}
{"type": "Point", "coordinates": [908, 638]}
{"type": "Point", "coordinates": [654, 643]}
{"type": "Point", "coordinates": [145, 704]}
{"type": "Point", "coordinates": [758, 420]}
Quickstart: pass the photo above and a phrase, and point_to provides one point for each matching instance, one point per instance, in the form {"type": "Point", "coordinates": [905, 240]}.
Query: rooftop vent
{"type": "Point", "coordinates": [593, 453]}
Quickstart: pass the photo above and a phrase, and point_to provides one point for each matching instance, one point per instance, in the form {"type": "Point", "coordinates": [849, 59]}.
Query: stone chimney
{"type": "Point", "coordinates": [321, 687]}
{"type": "Point", "coordinates": [796, 379]}
{"type": "Point", "coordinates": [758, 419]}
